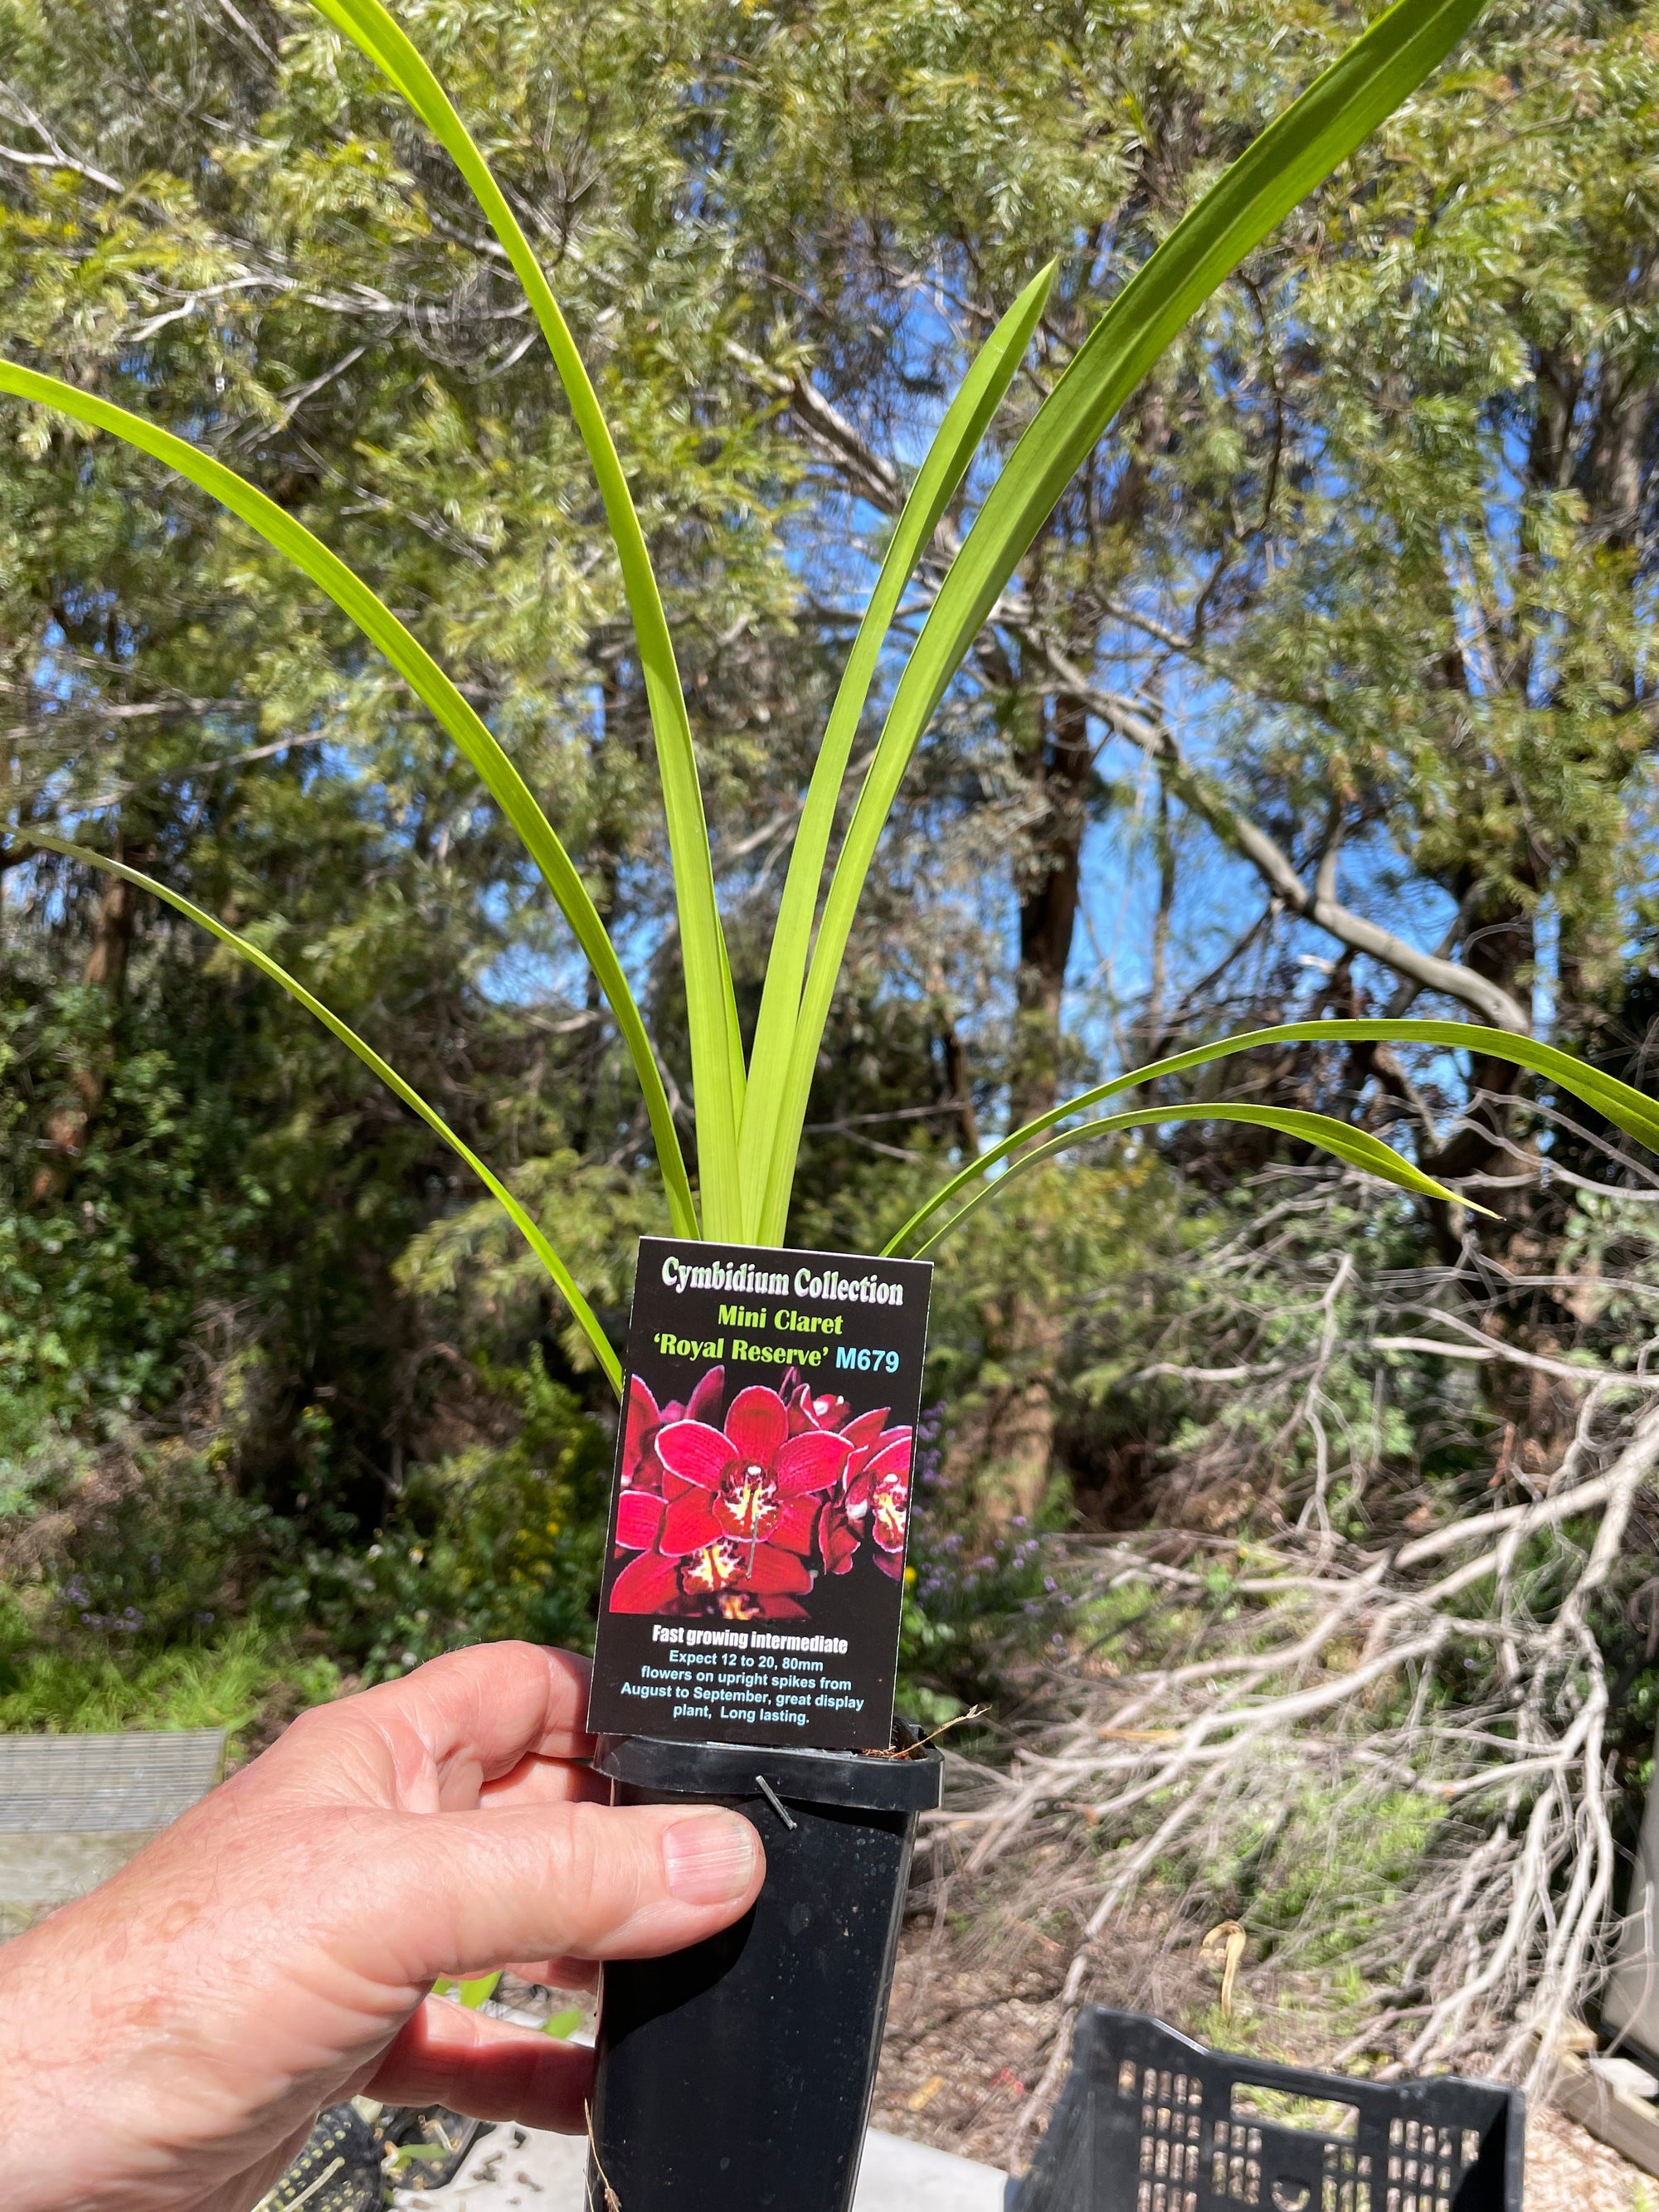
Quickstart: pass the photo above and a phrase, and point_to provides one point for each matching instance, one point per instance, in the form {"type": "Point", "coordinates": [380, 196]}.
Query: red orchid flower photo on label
{"type": "Point", "coordinates": [740, 1519]}
{"type": "Point", "coordinates": [755, 1563]}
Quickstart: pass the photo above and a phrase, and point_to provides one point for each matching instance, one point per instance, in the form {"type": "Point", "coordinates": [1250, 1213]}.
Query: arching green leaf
{"type": "Point", "coordinates": [716, 1043]}
{"type": "Point", "coordinates": [1625, 1107]}
{"type": "Point", "coordinates": [1356, 1146]}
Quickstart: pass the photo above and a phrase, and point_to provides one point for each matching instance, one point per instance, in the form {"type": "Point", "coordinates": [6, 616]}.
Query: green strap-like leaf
{"type": "Point", "coordinates": [1357, 1147]}
{"type": "Point", "coordinates": [947, 461]}
{"type": "Point", "coordinates": [521, 1221]}
{"type": "Point", "coordinates": [716, 1041]}
{"type": "Point", "coordinates": [434, 689]}
{"type": "Point", "coordinates": [1335, 114]}
{"type": "Point", "coordinates": [1626, 1108]}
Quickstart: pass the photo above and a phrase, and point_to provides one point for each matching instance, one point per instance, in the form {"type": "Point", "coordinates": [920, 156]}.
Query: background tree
{"type": "Point", "coordinates": [1356, 586]}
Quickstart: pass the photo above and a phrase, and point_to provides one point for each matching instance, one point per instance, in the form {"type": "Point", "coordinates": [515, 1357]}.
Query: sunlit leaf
{"type": "Point", "coordinates": [716, 1043]}
{"type": "Point", "coordinates": [1626, 1108]}
{"type": "Point", "coordinates": [1357, 1147]}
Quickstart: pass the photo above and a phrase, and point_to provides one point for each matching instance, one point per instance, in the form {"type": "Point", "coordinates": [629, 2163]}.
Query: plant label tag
{"type": "Point", "coordinates": [755, 1565]}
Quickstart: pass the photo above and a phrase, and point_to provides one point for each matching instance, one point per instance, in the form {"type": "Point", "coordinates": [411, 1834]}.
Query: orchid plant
{"type": "Point", "coordinates": [749, 1108]}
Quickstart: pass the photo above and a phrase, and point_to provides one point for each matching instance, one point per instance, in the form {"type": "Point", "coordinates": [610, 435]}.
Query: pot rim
{"type": "Point", "coordinates": [857, 1780]}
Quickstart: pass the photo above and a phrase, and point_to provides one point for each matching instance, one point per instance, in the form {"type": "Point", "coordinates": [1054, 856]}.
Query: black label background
{"type": "Point", "coordinates": [750, 1689]}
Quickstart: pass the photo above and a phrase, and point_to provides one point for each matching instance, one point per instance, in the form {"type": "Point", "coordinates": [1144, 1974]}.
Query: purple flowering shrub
{"type": "Point", "coordinates": [977, 1609]}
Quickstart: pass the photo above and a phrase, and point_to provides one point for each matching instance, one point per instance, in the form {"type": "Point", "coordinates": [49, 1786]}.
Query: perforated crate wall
{"type": "Point", "coordinates": [1149, 2121]}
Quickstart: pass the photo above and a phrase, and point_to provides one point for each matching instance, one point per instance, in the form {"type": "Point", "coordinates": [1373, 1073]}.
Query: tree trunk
{"type": "Point", "coordinates": [1048, 886]}
{"type": "Point", "coordinates": [1500, 942]}
{"type": "Point", "coordinates": [1005, 1447]}
{"type": "Point", "coordinates": [1002, 1442]}
{"type": "Point", "coordinates": [958, 1088]}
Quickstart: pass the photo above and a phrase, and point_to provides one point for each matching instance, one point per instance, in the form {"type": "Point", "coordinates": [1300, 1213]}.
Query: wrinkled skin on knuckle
{"type": "Point", "coordinates": [330, 1753]}
{"type": "Point", "coordinates": [591, 1879]}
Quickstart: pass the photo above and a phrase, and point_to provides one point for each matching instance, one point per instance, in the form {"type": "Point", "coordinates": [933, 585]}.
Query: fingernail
{"type": "Point", "coordinates": [710, 1859]}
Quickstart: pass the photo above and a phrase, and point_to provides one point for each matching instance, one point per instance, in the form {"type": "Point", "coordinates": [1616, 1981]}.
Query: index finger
{"type": "Point", "coordinates": [465, 1719]}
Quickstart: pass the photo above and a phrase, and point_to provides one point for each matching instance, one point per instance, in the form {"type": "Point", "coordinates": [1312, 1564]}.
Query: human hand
{"type": "Point", "coordinates": [166, 2041]}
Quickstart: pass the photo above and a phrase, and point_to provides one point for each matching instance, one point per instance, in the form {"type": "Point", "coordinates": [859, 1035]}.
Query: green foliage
{"type": "Point", "coordinates": [223, 1685]}
{"type": "Point", "coordinates": [1328, 1873]}
{"type": "Point", "coordinates": [975, 1608]}
{"type": "Point", "coordinates": [159, 1541]}
{"type": "Point", "coordinates": [221, 1256]}
{"type": "Point", "coordinates": [99, 1288]}
{"type": "Point", "coordinates": [502, 1540]}
{"type": "Point", "coordinates": [580, 1310]}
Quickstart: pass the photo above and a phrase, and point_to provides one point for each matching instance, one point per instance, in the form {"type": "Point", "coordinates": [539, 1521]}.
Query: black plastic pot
{"type": "Point", "coordinates": [736, 2076]}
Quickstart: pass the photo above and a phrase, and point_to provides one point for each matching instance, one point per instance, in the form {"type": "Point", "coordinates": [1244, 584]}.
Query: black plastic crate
{"type": "Point", "coordinates": [1149, 2121]}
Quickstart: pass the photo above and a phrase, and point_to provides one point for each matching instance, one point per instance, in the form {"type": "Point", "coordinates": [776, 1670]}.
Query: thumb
{"type": "Point", "coordinates": [458, 1890]}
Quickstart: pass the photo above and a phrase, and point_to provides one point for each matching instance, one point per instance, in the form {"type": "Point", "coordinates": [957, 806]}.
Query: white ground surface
{"type": "Point", "coordinates": [536, 2173]}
